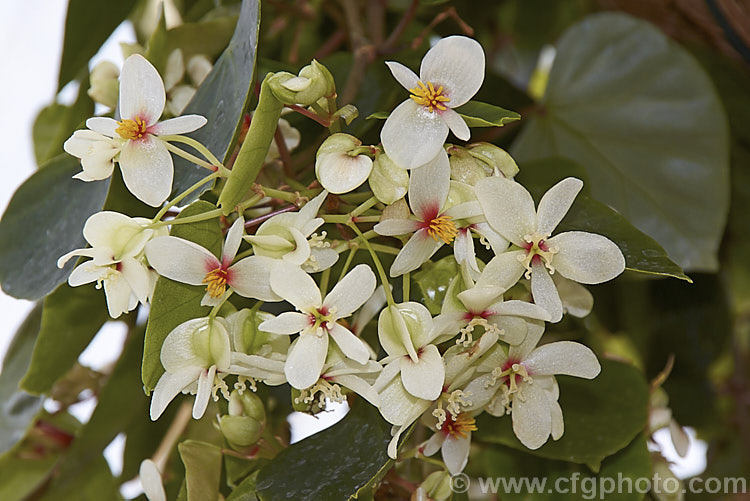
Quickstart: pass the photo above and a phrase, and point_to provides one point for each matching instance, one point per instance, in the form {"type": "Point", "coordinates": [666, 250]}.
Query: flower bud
{"type": "Point", "coordinates": [388, 181]}
{"type": "Point", "coordinates": [339, 167]}
{"type": "Point", "coordinates": [404, 328]}
{"type": "Point", "coordinates": [465, 168]}
{"type": "Point", "coordinates": [105, 87]}
{"type": "Point", "coordinates": [313, 83]}
{"type": "Point", "coordinates": [496, 158]}
{"type": "Point", "coordinates": [243, 426]}
{"type": "Point", "coordinates": [437, 486]}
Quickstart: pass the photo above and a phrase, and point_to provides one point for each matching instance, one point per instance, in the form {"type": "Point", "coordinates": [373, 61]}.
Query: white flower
{"type": "Point", "coordinates": [289, 237]}
{"type": "Point", "coordinates": [187, 262]}
{"type": "Point", "coordinates": [338, 165]}
{"type": "Point", "coordinates": [434, 225]}
{"type": "Point", "coordinates": [117, 248]}
{"type": "Point", "coordinates": [450, 74]}
{"type": "Point", "coordinates": [583, 257]}
{"type": "Point", "coordinates": [146, 164]}
{"type": "Point", "coordinates": [453, 440]}
{"type": "Point", "coordinates": [523, 381]}
{"type": "Point", "coordinates": [316, 319]}
{"type": "Point", "coordinates": [151, 482]}
{"type": "Point", "coordinates": [196, 356]}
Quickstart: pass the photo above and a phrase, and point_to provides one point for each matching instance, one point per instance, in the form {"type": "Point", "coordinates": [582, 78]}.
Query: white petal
{"type": "Point", "coordinates": [168, 386]}
{"type": "Point", "coordinates": [534, 333]}
{"type": "Point", "coordinates": [308, 212]}
{"type": "Point", "coordinates": [342, 173]}
{"type": "Point", "coordinates": [558, 423]}
{"type": "Point", "coordinates": [503, 270]}
{"type": "Point", "coordinates": [351, 292]}
{"type": "Point", "coordinates": [186, 346]}
{"type": "Point", "coordinates": [563, 357]}
{"type": "Point", "coordinates": [141, 90]}
{"type": "Point", "coordinates": [456, 124]}
{"type": "Point", "coordinates": [403, 75]}
{"type": "Point", "coordinates": [305, 360]}
{"type": "Point", "coordinates": [498, 244]}
{"type": "Point", "coordinates": [586, 258]}
{"type": "Point", "coordinates": [320, 259]}
{"type": "Point", "coordinates": [151, 481]}
{"type": "Point", "coordinates": [394, 227]}
{"type": "Point", "coordinates": [416, 252]}
{"type": "Point", "coordinates": [358, 386]}
{"type": "Point", "coordinates": [479, 298]}
{"type": "Point", "coordinates": [532, 419]}
{"type": "Point", "coordinates": [425, 378]}
{"type": "Point", "coordinates": [178, 125]}
{"type": "Point", "coordinates": [118, 295]}
{"type": "Point", "coordinates": [398, 406]}
{"type": "Point", "coordinates": [555, 204]}
{"type": "Point", "coordinates": [521, 309]}
{"type": "Point", "coordinates": [429, 186]}
{"type": "Point", "coordinates": [456, 453]}
{"type": "Point", "coordinates": [449, 323]}
{"type": "Point", "coordinates": [482, 391]}
{"type": "Point", "coordinates": [508, 207]}
{"type": "Point", "coordinates": [514, 329]}
{"type": "Point", "coordinates": [289, 322]}
{"type": "Point", "coordinates": [351, 345]}
{"type": "Point", "coordinates": [103, 125]}
{"type": "Point", "coordinates": [412, 136]}
{"type": "Point", "coordinates": [544, 292]}
{"type": "Point", "coordinates": [393, 333]}
{"type": "Point", "coordinates": [295, 286]}
{"type": "Point", "coordinates": [181, 260]}
{"type": "Point", "coordinates": [147, 169]}
{"type": "Point", "coordinates": [680, 438]}
{"type": "Point", "coordinates": [138, 278]}
{"type": "Point", "coordinates": [433, 444]}
{"type": "Point", "coordinates": [233, 240]}
{"type": "Point", "coordinates": [456, 63]}
{"type": "Point", "coordinates": [205, 385]}
{"type": "Point", "coordinates": [576, 299]}
{"type": "Point", "coordinates": [301, 252]}
{"type": "Point", "coordinates": [251, 277]}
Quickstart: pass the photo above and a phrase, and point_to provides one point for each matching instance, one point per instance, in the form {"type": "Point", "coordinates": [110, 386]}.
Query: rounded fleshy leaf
{"type": "Point", "coordinates": [403, 75]}
{"type": "Point", "coordinates": [289, 322]}
{"type": "Point", "coordinates": [414, 253]}
{"type": "Point", "coordinates": [456, 124]}
{"type": "Point", "coordinates": [251, 277]}
{"type": "Point", "coordinates": [425, 378]}
{"type": "Point", "coordinates": [147, 169]}
{"type": "Point", "coordinates": [295, 286]}
{"type": "Point", "coordinates": [168, 386]}
{"type": "Point", "coordinates": [555, 204]}
{"type": "Point", "coordinates": [429, 186]}
{"type": "Point", "coordinates": [532, 418]}
{"type": "Point", "coordinates": [141, 90]}
{"type": "Point", "coordinates": [178, 125]}
{"type": "Point", "coordinates": [563, 357]}
{"type": "Point", "coordinates": [544, 292]}
{"type": "Point", "coordinates": [586, 258]}
{"type": "Point", "coordinates": [412, 135]}
{"type": "Point", "coordinates": [305, 360]}
{"type": "Point", "coordinates": [351, 292]}
{"type": "Point", "coordinates": [455, 453]}
{"type": "Point", "coordinates": [508, 207]}
{"type": "Point", "coordinates": [456, 63]}
{"type": "Point", "coordinates": [180, 260]}
{"type": "Point", "coordinates": [352, 346]}
{"type": "Point", "coordinates": [341, 172]}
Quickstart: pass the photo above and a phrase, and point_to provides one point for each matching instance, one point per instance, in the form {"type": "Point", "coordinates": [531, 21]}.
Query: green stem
{"type": "Point", "coordinates": [384, 249]}
{"type": "Point", "coordinates": [195, 144]}
{"type": "Point", "coordinates": [182, 195]}
{"type": "Point", "coordinates": [281, 195]}
{"type": "Point", "coordinates": [367, 204]}
{"type": "Point", "coordinates": [324, 277]}
{"type": "Point", "coordinates": [333, 108]}
{"type": "Point", "coordinates": [366, 219]}
{"type": "Point", "coordinates": [378, 266]}
{"type": "Point", "coordinates": [190, 219]}
{"type": "Point", "coordinates": [189, 157]}
{"type": "Point", "coordinates": [243, 255]}
{"type": "Point", "coordinates": [216, 308]}
{"type": "Point", "coordinates": [347, 263]}
{"type": "Point", "coordinates": [406, 286]}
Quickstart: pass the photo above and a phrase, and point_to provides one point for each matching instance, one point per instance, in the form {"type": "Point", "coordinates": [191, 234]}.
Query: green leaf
{"type": "Point", "coordinates": [478, 114]}
{"type": "Point", "coordinates": [42, 222]}
{"type": "Point", "coordinates": [18, 408]}
{"type": "Point", "coordinates": [88, 24]}
{"type": "Point", "coordinates": [245, 491]}
{"type": "Point", "coordinates": [642, 253]}
{"type": "Point", "coordinates": [602, 416]}
{"type": "Point", "coordinates": [202, 470]}
{"type": "Point", "coordinates": [173, 302]}
{"type": "Point", "coordinates": [110, 417]}
{"type": "Point", "coordinates": [433, 279]}
{"type": "Point", "coordinates": [655, 147]}
{"type": "Point", "coordinates": [223, 98]}
{"type": "Point", "coordinates": [338, 463]}
{"type": "Point", "coordinates": [475, 114]}
{"type": "Point", "coordinates": [70, 319]}
{"type": "Point", "coordinates": [560, 481]}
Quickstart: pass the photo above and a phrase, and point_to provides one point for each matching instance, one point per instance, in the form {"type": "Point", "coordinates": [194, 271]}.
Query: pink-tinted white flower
{"type": "Point", "coordinates": [451, 73]}
{"type": "Point", "coordinates": [583, 257]}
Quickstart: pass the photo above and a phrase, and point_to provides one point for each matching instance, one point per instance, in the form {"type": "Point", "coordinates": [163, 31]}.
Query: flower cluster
{"type": "Point", "coordinates": [480, 353]}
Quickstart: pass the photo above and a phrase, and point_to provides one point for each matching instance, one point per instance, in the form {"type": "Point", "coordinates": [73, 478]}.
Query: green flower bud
{"type": "Point", "coordinates": [313, 83]}
{"type": "Point", "coordinates": [437, 485]}
{"type": "Point", "coordinates": [465, 168]}
{"type": "Point", "coordinates": [247, 404]}
{"type": "Point", "coordinates": [388, 181]}
{"type": "Point", "coordinates": [495, 158]}
{"type": "Point", "coordinates": [105, 88]}
{"type": "Point", "coordinates": [243, 426]}
{"type": "Point", "coordinates": [339, 143]}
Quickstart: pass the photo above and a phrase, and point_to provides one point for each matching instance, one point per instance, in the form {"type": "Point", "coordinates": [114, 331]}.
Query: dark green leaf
{"type": "Point", "coordinates": [202, 470]}
{"type": "Point", "coordinates": [223, 98]}
{"type": "Point", "coordinates": [98, 484]}
{"type": "Point", "coordinates": [71, 318]}
{"type": "Point", "coordinates": [639, 113]}
{"type": "Point", "coordinates": [642, 253]}
{"type": "Point", "coordinates": [42, 222]}
{"type": "Point", "coordinates": [87, 25]}
{"type": "Point", "coordinates": [337, 463]}
{"type": "Point", "coordinates": [18, 408]}
{"type": "Point", "coordinates": [478, 114]}
{"type": "Point", "coordinates": [246, 490]}
{"type": "Point", "coordinates": [560, 481]}
{"type": "Point", "coordinates": [602, 416]}
{"type": "Point", "coordinates": [173, 302]}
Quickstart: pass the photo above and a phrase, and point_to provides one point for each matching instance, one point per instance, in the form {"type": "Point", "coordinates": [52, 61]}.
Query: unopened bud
{"type": "Point", "coordinates": [496, 158]}
{"type": "Point", "coordinates": [465, 168]}
{"type": "Point", "coordinates": [388, 181]}
{"type": "Point", "coordinates": [313, 83]}
{"type": "Point", "coordinates": [437, 486]}
{"type": "Point", "coordinates": [105, 88]}
{"type": "Point", "coordinates": [339, 166]}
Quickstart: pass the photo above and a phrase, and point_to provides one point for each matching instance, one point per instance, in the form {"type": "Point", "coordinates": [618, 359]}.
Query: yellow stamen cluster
{"type": "Point", "coordinates": [216, 282]}
{"type": "Point", "coordinates": [461, 426]}
{"type": "Point", "coordinates": [131, 128]}
{"type": "Point", "coordinates": [442, 228]}
{"type": "Point", "coordinates": [538, 247]}
{"type": "Point", "coordinates": [428, 96]}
